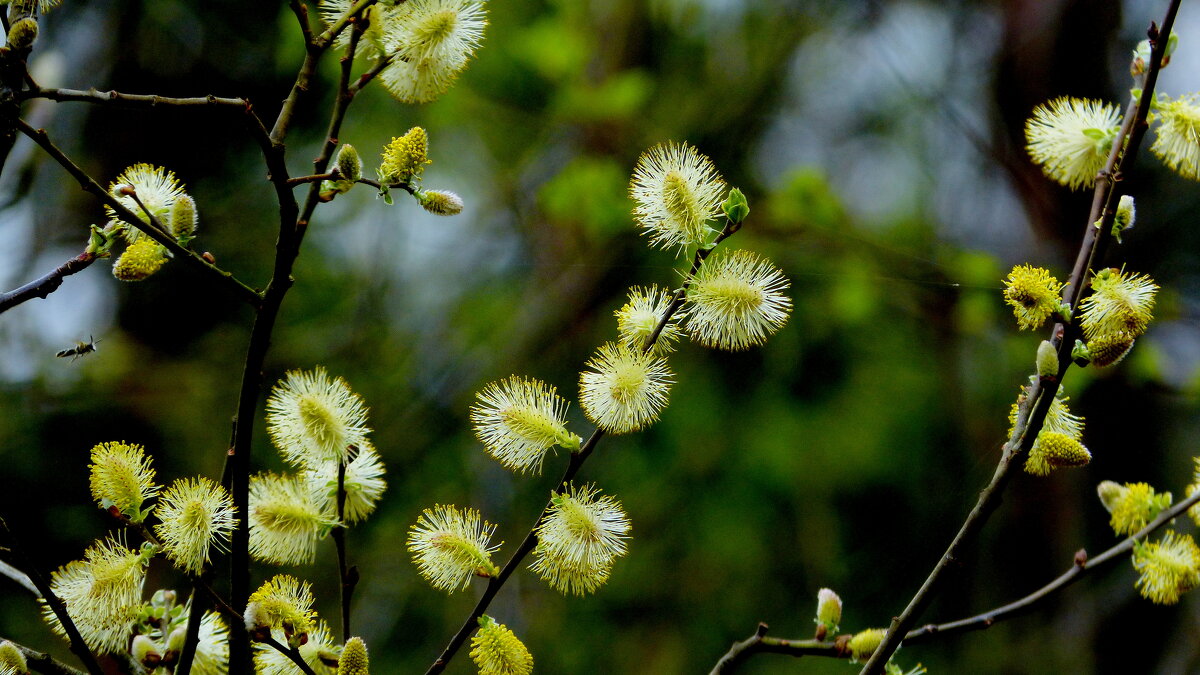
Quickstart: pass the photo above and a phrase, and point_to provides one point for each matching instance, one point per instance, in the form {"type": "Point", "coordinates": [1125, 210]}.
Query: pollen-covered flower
{"type": "Point", "coordinates": [157, 189]}
{"type": "Point", "coordinates": [1033, 294]}
{"type": "Point", "coordinates": [638, 318]}
{"type": "Point", "coordinates": [364, 484]}
{"type": "Point", "coordinates": [1120, 306]}
{"type": "Point", "coordinates": [102, 594]}
{"type": "Point", "coordinates": [354, 659]}
{"type": "Point", "coordinates": [496, 651]}
{"type": "Point", "coordinates": [1132, 505]}
{"type": "Point", "coordinates": [736, 301]}
{"type": "Point", "coordinates": [440, 202]}
{"type": "Point", "coordinates": [313, 418]}
{"type": "Point", "coordinates": [578, 540]}
{"type": "Point", "coordinates": [625, 389]}
{"type": "Point", "coordinates": [864, 643]}
{"type": "Point", "coordinates": [212, 646]}
{"type": "Point", "coordinates": [195, 513]}
{"type": "Point", "coordinates": [405, 157]}
{"type": "Point", "coordinates": [1170, 567]}
{"type": "Point", "coordinates": [287, 516]}
{"type": "Point", "coordinates": [121, 477]}
{"type": "Point", "coordinates": [284, 602]}
{"type": "Point", "coordinates": [1110, 349]}
{"type": "Point", "coordinates": [431, 43]}
{"type": "Point", "coordinates": [12, 659]}
{"type": "Point", "coordinates": [1177, 136]}
{"type": "Point", "coordinates": [1070, 138]}
{"type": "Point", "coordinates": [1054, 450]}
{"type": "Point", "coordinates": [518, 420]}
{"type": "Point", "coordinates": [140, 259]}
{"type": "Point", "coordinates": [318, 651]}
{"type": "Point", "coordinates": [451, 546]}
{"type": "Point", "coordinates": [676, 191]}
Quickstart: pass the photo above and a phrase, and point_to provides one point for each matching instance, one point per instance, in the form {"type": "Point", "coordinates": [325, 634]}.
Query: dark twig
{"type": "Point", "coordinates": [47, 284]}
{"type": "Point", "coordinates": [130, 100]}
{"type": "Point", "coordinates": [759, 643]}
{"type": "Point", "coordinates": [191, 637]}
{"type": "Point", "coordinates": [1104, 203]}
{"type": "Point", "coordinates": [576, 462]}
{"type": "Point", "coordinates": [78, 646]}
{"type": "Point", "coordinates": [43, 662]}
{"type": "Point", "coordinates": [347, 574]}
{"type": "Point", "coordinates": [290, 652]}
{"type": "Point", "coordinates": [292, 227]}
{"type": "Point", "coordinates": [226, 279]}
{"type": "Point", "coordinates": [1082, 566]}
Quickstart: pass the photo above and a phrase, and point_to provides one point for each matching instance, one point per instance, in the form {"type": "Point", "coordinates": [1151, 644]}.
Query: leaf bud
{"type": "Point", "coordinates": [829, 612]}
{"type": "Point", "coordinates": [349, 165]}
{"type": "Point", "coordinates": [146, 652]}
{"type": "Point", "coordinates": [735, 206]}
{"type": "Point", "coordinates": [183, 219]}
{"type": "Point", "coordinates": [1047, 361]}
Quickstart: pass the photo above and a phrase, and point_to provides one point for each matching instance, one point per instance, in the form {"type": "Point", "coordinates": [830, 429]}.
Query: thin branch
{"type": "Point", "coordinates": [576, 462]}
{"type": "Point", "coordinates": [130, 100]}
{"type": "Point", "coordinates": [19, 578]}
{"type": "Point", "coordinates": [191, 636]}
{"type": "Point", "coordinates": [46, 284]}
{"type": "Point", "coordinates": [1123, 152]}
{"type": "Point", "coordinates": [292, 653]}
{"type": "Point", "coordinates": [1082, 566]}
{"type": "Point", "coordinates": [323, 40]}
{"type": "Point", "coordinates": [86, 182]}
{"type": "Point", "coordinates": [347, 574]}
{"type": "Point", "coordinates": [301, 12]}
{"type": "Point", "coordinates": [1080, 569]}
{"type": "Point", "coordinates": [759, 643]}
{"type": "Point", "coordinates": [43, 662]}
{"type": "Point", "coordinates": [78, 646]}
{"type": "Point", "coordinates": [374, 71]}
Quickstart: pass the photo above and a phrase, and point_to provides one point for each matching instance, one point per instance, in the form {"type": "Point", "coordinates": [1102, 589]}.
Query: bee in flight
{"type": "Point", "coordinates": [79, 349]}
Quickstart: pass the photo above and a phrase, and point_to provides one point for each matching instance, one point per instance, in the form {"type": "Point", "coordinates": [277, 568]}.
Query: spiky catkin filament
{"type": "Point", "coordinates": [623, 389]}
{"type": "Point", "coordinates": [121, 476]}
{"type": "Point", "coordinates": [736, 301]}
{"type": "Point", "coordinates": [497, 651]}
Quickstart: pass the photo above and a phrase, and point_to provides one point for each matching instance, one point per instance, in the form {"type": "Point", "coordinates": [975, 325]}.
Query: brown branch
{"type": "Point", "coordinates": [47, 284]}
{"type": "Point", "coordinates": [759, 643]}
{"type": "Point", "coordinates": [86, 182]}
{"type": "Point", "coordinates": [43, 662]}
{"type": "Point", "coordinates": [576, 462]}
{"type": "Point", "coordinates": [78, 646]}
{"type": "Point", "coordinates": [1104, 202]}
{"type": "Point", "coordinates": [1082, 566]}
{"type": "Point", "coordinates": [129, 100]}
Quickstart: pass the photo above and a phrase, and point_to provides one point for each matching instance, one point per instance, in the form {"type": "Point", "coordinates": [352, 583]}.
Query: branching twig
{"type": "Point", "coordinates": [19, 578]}
{"type": "Point", "coordinates": [78, 646]}
{"type": "Point", "coordinates": [43, 662]}
{"type": "Point", "coordinates": [226, 279]}
{"type": "Point", "coordinates": [759, 644]}
{"type": "Point", "coordinates": [47, 284]}
{"type": "Point", "coordinates": [576, 462]}
{"type": "Point", "coordinates": [1104, 202]}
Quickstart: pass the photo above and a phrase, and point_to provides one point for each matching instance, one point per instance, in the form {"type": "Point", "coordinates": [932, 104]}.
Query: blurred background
{"type": "Point", "coordinates": [880, 146]}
